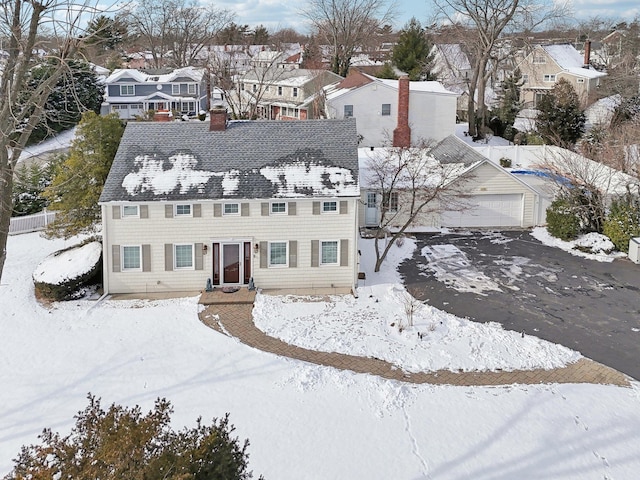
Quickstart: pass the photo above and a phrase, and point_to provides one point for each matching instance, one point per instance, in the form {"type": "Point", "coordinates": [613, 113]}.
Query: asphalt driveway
{"type": "Point", "coordinates": [511, 278]}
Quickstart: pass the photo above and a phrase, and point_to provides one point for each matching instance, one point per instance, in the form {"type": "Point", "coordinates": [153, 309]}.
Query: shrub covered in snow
{"type": "Point", "coordinates": [594, 243]}
{"type": "Point", "coordinates": [63, 274]}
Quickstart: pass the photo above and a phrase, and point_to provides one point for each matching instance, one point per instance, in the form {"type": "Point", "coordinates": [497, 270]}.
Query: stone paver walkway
{"type": "Point", "coordinates": [236, 320]}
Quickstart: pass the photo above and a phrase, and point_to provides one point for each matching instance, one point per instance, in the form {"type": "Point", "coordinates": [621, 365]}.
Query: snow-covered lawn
{"type": "Point", "coordinates": [303, 421]}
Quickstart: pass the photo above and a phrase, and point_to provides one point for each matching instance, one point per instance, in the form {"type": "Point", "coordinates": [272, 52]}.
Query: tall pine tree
{"type": "Point", "coordinates": [560, 119]}
{"type": "Point", "coordinates": [411, 53]}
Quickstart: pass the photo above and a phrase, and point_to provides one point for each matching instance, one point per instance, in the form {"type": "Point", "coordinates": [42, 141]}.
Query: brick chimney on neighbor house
{"type": "Point", "coordinates": [587, 54]}
{"type": "Point", "coordinates": [218, 119]}
{"type": "Point", "coordinates": [402, 133]}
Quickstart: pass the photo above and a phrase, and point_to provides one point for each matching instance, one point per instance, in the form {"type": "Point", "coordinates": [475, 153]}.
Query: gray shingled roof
{"type": "Point", "coordinates": [250, 159]}
{"type": "Point", "coordinates": [454, 150]}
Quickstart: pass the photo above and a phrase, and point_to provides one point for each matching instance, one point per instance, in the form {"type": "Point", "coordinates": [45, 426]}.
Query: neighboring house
{"type": "Point", "coordinates": [546, 64]}
{"type": "Point", "coordinates": [600, 113]}
{"type": "Point", "coordinates": [452, 68]}
{"type": "Point", "coordinates": [493, 197]}
{"type": "Point", "coordinates": [380, 106]}
{"type": "Point", "coordinates": [281, 94]}
{"type": "Point", "coordinates": [274, 204]}
{"type": "Point", "coordinates": [131, 93]}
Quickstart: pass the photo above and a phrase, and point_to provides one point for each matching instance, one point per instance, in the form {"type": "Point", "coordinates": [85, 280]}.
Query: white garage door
{"type": "Point", "coordinates": [487, 211]}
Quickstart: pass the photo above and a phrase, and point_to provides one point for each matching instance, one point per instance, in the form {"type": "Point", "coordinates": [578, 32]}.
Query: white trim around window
{"type": "Point", "coordinates": [183, 256]}
{"type": "Point", "coordinates": [232, 209]}
{"type": "Point", "coordinates": [183, 210]}
{"type": "Point", "coordinates": [330, 252]}
{"type": "Point", "coordinates": [278, 208]}
{"type": "Point", "coordinates": [131, 258]}
{"type": "Point", "coordinates": [278, 254]}
{"type": "Point", "coordinates": [127, 90]}
{"type": "Point", "coordinates": [329, 206]}
{"type": "Point", "coordinates": [130, 211]}
{"type": "Point", "coordinates": [551, 77]}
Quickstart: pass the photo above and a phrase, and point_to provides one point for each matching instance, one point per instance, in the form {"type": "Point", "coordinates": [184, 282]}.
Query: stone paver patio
{"type": "Point", "coordinates": [235, 319]}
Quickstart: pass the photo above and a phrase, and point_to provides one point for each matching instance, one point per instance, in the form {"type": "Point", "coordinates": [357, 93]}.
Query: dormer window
{"type": "Point", "coordinates": [127, 90]}
{"type": "Point", "coordinates": [175, 89]}
{"type": "Point", "coordinates": [191, 88]}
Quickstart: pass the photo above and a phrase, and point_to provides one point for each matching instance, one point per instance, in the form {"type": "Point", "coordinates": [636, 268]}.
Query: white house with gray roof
{"type": "Point", "coordinates": [273, 204]}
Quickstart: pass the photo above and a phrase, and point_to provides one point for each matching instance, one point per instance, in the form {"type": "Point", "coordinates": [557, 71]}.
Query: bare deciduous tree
{"type": "Point", "coordinates": [25, 23]}
{"type": "Point", "coordinates": [411, 185]}
{"type": "Point", "coordinates": [175, 31]}
{"type": "Point", "coordinates": [346, 25]}
{"type": "Point", "coordinates": [479, 25]}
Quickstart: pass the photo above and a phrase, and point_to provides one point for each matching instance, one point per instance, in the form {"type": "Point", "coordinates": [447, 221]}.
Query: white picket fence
{"type": "Point", "coordinates": [31, 223]}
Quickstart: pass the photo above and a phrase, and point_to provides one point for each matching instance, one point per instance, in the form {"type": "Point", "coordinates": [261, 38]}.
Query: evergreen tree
{"type": "Point", "coordinates": [260, 35]}
{"type": "Point", "coordinates": [78, 181]}
{"type": "Point", "coordinates": [387, 72]}
{"type": "Point", "coordinates": [77, 91]}
{"type": "Point", "coordinates": [29, 186]}
{"type": "Point", "coordinates": [510, 104]}
{"type": "Point", "coordinates": [123, 443]}
{"type": "Point", "coordinates": [560, 119]}
{"type": "Point", "coordinates": [411, 53]}
{"type": "Point", "coordinates": [105, 33]}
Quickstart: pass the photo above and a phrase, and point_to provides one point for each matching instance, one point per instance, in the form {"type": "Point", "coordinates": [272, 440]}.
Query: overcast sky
{"type": "Point", "coordinates": [275, 14]}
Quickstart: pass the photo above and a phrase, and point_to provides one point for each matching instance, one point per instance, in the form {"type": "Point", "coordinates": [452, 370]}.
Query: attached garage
{"type": "Point", "coordinates": [492, 210]}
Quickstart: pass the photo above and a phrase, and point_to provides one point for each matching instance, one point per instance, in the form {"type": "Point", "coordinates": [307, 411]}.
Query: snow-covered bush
{"type": "Point", "coordinates": [594, 243]}
{"type": "Point", "coordinates": [64, 274]}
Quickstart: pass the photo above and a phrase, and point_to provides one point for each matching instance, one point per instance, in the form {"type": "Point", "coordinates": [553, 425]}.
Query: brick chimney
{"type": "Point", "coordinates": [402, 133]}
{"type": "Point", "coordinates": [218, 119]}
{"type": "Point", "coordinates": [587, 54]}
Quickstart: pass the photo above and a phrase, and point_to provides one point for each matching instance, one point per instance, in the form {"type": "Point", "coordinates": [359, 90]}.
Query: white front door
{"type": "Point", "coordinates": [371, 210]}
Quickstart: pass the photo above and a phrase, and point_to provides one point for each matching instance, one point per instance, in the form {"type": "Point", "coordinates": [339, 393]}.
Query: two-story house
{"type": "Point", "coordinates": [287, 94]}
{"type": "Point", "coordinates": [546, 64]}
{"type": "Point", "coordinates": [131, 93]}
{"type": "Point", "coordinates": [379, 106]}
{"type": "Point", "coordinates": [273, 204]}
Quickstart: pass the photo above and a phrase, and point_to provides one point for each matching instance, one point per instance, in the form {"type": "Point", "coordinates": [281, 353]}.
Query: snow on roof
{"type": "Point", "coordinates": [332, 91]}
{"type": "Point", "coordinates": [454, 56]}
{"type": "Point", "coordinates": [250, 159]}
{"type": "Point", "coordinates": [570, 60]}
{"type": "Point", "coordinates": [195, 73]}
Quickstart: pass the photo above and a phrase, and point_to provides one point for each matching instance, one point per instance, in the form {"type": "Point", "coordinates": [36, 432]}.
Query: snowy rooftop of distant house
{"type": "Point", "coordinates": [359, 79]}
{"type": "Point", "coordinates": [250, 160]}
{"type": "Point", "coordinates": [570, 60]}
{"type": "Point", "coordinates": [454, 56]}
{"type": "Point", "coordinates": [194, 73]}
